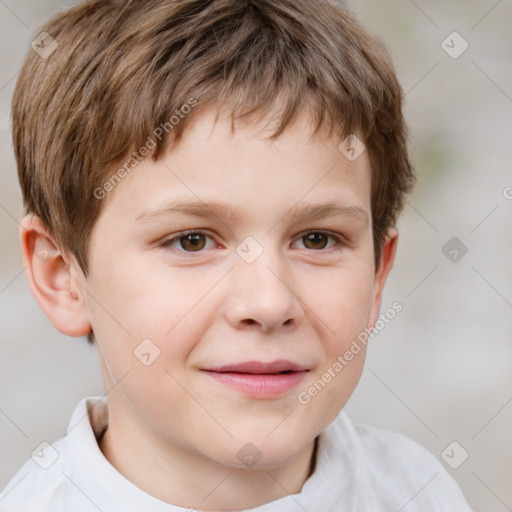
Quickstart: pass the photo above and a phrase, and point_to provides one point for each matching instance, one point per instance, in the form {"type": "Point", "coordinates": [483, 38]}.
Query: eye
{"type": "Point", "coordinates": [318, 240]}
{"type": "Point", "coordinates": [188, 241]}
{"type": "Point", "coordinates": [196, 241]}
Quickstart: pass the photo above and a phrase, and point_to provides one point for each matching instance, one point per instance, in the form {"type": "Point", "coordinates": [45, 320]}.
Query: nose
{"type": "Point", "coordinates": [262, 295]}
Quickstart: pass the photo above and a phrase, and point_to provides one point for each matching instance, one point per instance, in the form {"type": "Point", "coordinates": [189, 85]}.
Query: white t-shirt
{"type": "Point", "coordinates": [358, 469]}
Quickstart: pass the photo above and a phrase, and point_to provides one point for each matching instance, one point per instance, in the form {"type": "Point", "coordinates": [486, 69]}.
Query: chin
{"type": "Point", "coordinates": [273, 452]}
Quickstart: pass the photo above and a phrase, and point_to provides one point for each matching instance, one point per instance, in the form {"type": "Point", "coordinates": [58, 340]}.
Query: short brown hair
{"type": "Point", "coordinates": [121, 68]}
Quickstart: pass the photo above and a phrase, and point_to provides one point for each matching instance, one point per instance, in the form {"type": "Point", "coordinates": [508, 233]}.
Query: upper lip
{"type": "Point", "coordinates": [259, 367]}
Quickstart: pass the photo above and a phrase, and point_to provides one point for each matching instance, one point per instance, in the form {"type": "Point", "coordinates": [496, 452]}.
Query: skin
{"type": "Point", "coordinates": [301, 300]}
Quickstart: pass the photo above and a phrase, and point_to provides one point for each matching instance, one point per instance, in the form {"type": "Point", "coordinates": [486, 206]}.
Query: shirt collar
{"type": "Point", "coordinates": [335, 472]}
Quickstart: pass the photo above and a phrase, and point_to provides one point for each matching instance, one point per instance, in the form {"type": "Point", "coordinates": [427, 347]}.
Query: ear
{"type": "Point", "coordinates": [387, 259]}
{"type": "Point", "coordinates": [52, 277]}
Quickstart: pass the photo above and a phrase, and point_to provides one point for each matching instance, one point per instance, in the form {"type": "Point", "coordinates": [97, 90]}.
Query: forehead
{"type": "Point", "coordinates": [241, 172]}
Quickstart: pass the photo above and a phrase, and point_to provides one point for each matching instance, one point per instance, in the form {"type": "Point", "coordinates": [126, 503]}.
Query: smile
{"type": "Point", "coordinates": [260, 380]}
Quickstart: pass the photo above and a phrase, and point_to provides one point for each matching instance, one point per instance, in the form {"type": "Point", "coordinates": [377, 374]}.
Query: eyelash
{"type": "Point", "coordinates": [340, 241]}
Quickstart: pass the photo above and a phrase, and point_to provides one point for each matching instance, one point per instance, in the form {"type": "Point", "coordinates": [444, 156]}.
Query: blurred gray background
{"type": "Point", "coordinates": [441, 370]}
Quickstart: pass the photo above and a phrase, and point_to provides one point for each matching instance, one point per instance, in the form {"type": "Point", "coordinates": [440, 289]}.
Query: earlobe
{"type": "Point", "coordinates": [387, 259]}
{"type": "Point", "coordinates": [49, 276]}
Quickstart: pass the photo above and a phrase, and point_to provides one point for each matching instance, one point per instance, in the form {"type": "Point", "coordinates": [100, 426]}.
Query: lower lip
{"type": "Point", "coordinates": [260, 385]}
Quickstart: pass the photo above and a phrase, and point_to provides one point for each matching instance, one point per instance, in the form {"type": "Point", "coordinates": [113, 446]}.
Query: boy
{"type": "Point", "coordinates": [212, 189]}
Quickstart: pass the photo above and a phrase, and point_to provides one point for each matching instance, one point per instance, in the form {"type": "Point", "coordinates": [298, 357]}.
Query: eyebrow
{"type": "Point", "coordinates": [302, 212]}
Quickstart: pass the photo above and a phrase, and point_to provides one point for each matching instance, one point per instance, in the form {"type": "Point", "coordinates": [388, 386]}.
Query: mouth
{"type": "Point", "coordinates": [258, 379]}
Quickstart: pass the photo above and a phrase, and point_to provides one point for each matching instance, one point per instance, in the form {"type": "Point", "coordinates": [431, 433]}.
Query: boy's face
{"type": "Point", "coordinates": [253, 287]}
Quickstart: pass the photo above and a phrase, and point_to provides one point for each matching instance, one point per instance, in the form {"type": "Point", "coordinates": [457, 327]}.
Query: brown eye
{"type": "Point", "coordinates": [315, 240]}
{"type": "Point", "coordinates": [193, 241]}
{"type": "Point", "coordinates": [318, 240]}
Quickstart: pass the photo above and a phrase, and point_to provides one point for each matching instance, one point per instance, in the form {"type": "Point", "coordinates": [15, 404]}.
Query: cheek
{"type": "Point", "coordinates": [146, 300]}
{"type": "Point", "coordinates": [146, 327]}
{"type": "Point", "coordinates": [343, 304]}
{"type": "Point", "coordinates": [152, 310]}
{"type": "Point", "coordinates": [342, 301]}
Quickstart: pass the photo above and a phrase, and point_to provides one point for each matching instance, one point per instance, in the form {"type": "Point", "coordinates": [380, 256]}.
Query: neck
{"type": "Point", "coordinates": [181, 478]}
